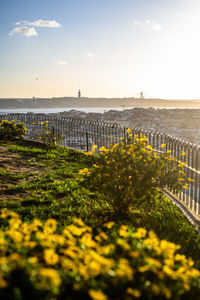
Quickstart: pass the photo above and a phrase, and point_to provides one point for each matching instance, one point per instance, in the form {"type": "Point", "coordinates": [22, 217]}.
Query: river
{"type": "Point", "coordinates": [60, 109]}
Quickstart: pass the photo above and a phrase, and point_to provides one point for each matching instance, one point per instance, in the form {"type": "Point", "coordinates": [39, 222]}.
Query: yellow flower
{"type": "Point", "coordinates": [103, 235]}
{"type": "Point", "coordinates": [50, 257]}
{"type": "Point", "coordinates": [123, 244]}
{"type": "Point", "coordinates": [13, 214]}
{"type": "Point", "coordinates": [78, 222]}
{"type": "Point", "coordinates": [88, 241]}
{"type": "Point", "coordinates": [33, 260]}
{"type": "Point", "coordinates": [102, 149]}
{"type": "Point", "coordinates": [75, 230]}
{"type": "Point", "coordinates": [162, 145]}
{"type": "Point", "coordinates": [153, 262]}
{"type": "Point", "coordinates": [123, 231]}
{"type": "Point", "coordinates": [94, 147]}
{"type": "Point", "coordinates": [88, 153]}
{"type": "Point", "coordinates": [149, 147]}
{"type": "Point", "coordinates": [109, 224]}
{"type": "Point", "coordinates": [97, 295]}
{"type": "Point", "coordinates": [16, 236]}
{"type": "Point", "coordinates": [124, 269]}
{"type": "Point", "coordinates": [143, 269]}
{"type": "Point", "coordinates": [170, 272]}
{"type": "Point", "coordinates": [95, 166]}
{"type": "Point", "coordinates": [181, 179]}
{"type": "Point", "coordinates": [141, 233]}
{"type": "Point", "coordinates": [50, 226]}
{"type": "Point", "coordinates": [4, 213]}
{"type": "Point", "coordinates": [37, 223]}
{"type": "Point", "coordinates": [51, 276]}
{"type": "Point", "coordinates": [182, 172]}
{"type": "Point", "coordinates": [67, 233]}
{"type": "Point", "coordinates": [133, 292]}
{"type": "Point", "coordinates": [128, 130]}
{"type": "Point", "coordinates": [190, 179]}
{"type": "Point", "coordinates": [180, 257]}
{"type": "Point", "coordinates": [186, 187]}
{"type": "Point", "coordinates": [84, 171]}
{"type": "Point", "coordinates": [29, 244]}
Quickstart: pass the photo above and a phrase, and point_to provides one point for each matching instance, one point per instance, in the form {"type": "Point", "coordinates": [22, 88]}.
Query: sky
{"type": "Point", "coordinates": [105, 48]}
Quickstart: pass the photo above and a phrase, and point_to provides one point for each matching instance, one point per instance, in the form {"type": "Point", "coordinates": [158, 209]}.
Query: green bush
{"type": "Point", "coordinates": [12, 129]}
{"type": "Point", "coordinates": [38, 263]}
{"type": "Point", "coordinates": [132, 171]}
{"type": "Point", "coordinates": [48, 136]}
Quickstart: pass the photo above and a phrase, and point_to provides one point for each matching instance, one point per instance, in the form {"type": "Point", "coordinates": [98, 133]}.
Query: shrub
{"type": "Point", "coordinates": [12, 129]}
{"type": "Point", "coordinates": [48, 135]}
{"type": "Point", "coordinates": [131, 172]}
{"type": "Point", "coordinates": [38, 263]}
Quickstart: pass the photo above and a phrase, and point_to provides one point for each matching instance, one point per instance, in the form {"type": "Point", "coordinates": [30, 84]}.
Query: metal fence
{"type": "Point", "coordinates": [81, 134]}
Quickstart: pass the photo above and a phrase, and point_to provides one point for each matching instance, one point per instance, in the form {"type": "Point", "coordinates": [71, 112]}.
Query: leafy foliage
{"type": "Point", "coordinates": [11, 129]}
{"type": "Point", "coordinates": [38, 263]}
{"type": "Point", "coordinates": [48, 135]}
{"type": "Point", "coordinates": [130, 172]}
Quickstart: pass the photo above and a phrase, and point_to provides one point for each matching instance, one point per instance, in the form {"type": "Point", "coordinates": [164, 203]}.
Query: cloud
{"type": "Point", "coordinates": [59, 62]}
{"type": "Point", "coordinates": [153, 25]}
{"type": "Point", "coordinates": [89, 54]}
{"type": "Point", "coordinates": [41, 23]}
{"type": "Point", "coordinates": [148, 24]}
{"type": "Point", "coordinates": [24, 30]}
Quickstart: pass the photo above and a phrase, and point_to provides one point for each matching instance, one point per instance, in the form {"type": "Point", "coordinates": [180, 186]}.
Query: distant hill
{"type": "Point", "coordinates": [11, 103]}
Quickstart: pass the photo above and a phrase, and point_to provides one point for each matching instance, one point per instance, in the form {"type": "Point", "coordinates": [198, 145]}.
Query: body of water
{"type": "Point", "coordinates": [61, 109]}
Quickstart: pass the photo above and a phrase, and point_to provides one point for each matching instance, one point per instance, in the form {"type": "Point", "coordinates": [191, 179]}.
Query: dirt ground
{"type": "Point", "coordinates": [11, 166]}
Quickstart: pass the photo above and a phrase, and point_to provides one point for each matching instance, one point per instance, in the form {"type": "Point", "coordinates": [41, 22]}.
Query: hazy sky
{"type": "Point", "coordinates": [111, 48]}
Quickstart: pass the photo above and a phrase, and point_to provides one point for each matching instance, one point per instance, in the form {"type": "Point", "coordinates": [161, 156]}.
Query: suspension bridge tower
{"type": "Point", "coordinates": [79, 94]}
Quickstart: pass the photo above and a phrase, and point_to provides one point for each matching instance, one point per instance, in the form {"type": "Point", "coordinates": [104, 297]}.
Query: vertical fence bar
{"type": "Point", "coordinates": [87, 142]}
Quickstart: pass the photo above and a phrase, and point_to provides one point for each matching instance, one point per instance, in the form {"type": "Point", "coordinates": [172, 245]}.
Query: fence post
{"type": "Point", "coordinates": [53, 134]}
{"type": "Point", "coordinates": [87, 144]}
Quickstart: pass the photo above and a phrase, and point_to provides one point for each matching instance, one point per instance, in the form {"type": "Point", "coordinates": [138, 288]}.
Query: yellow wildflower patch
{"type": "Point", "coordinates": [76, 255]}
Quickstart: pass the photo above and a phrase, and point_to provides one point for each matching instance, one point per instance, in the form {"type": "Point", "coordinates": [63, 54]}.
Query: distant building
{"type": "Point", "coordinates": [141, 96]}
{"type": "Point", "coordinates": [79, 94]}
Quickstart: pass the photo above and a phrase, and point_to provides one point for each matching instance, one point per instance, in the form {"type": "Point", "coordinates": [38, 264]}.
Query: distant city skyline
{"type": "Point", "coordinates": [105, 48]}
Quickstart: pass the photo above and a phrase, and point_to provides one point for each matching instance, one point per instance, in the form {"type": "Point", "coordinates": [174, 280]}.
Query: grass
{"type": "Point", "coordinates": [37, 183]}
{"type": "Point", "coordinates": [45, 184]}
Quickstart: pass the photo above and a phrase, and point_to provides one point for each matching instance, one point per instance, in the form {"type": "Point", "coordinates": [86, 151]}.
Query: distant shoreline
{"type": "Point", "coordinates": [76, 103]}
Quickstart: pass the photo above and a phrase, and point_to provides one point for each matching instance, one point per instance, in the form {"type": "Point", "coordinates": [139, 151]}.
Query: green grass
{"type": "Point", "coordinates": [49, 187]}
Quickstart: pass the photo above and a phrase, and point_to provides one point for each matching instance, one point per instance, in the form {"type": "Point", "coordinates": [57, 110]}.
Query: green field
{"type": "Point", "coordinates": [38, 182]}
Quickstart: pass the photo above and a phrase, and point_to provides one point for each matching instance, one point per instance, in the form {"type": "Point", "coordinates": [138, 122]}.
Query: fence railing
{"type": "Point", "coordinates": [82, 134]}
